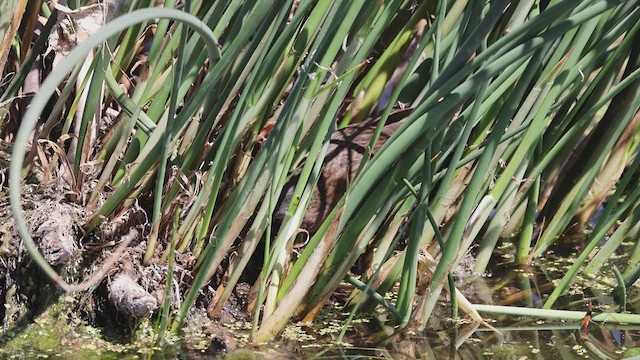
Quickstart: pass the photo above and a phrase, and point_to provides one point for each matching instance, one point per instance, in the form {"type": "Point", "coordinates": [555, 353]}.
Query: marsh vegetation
{"type": "Point", "coordinates": [254, 161]}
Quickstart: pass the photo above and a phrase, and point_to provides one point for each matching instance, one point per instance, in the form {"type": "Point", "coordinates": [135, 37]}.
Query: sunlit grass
{"type": "Point", "coordinates": [519, 113]}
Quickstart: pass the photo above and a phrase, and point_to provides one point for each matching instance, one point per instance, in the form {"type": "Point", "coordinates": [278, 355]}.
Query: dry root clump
{"type": "Point", "coordinates": [56, 230]}
{"type": "Point", "coordinates": [129, 279]}
{"type": "Point", "coordinates": [131, 298]}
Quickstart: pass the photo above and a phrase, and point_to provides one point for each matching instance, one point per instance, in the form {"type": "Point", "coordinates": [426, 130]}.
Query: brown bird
{"type": "Point", "coordinates": [344, 155]}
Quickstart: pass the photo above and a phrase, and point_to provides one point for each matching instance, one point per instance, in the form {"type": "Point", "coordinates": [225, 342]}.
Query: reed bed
{"type": "Point", "coordinates": [523, 124]}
